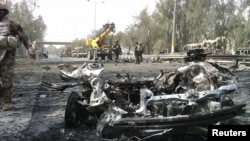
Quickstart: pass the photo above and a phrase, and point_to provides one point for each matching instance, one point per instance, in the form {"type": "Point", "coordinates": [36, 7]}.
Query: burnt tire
{"type": "Point", "coordinates": [71, 117]}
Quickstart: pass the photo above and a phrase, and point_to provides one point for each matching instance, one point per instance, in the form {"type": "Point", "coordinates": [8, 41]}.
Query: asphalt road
{"type": "Point", "coordinates": [38, 113]}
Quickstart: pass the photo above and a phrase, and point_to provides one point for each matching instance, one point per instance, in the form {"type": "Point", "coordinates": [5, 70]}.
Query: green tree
{"type": "Point", "coordinates": [22, 12]}
{"type": "Point", "coordinates": [145, 27]}
{"type": "Point", "coordinates": [162, 26]}
{"type": "Point", "coordinates": [130, 36]}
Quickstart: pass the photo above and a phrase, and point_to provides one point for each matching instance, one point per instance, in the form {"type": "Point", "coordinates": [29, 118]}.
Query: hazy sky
{"type": "Point", "coordinates": [70, 19]}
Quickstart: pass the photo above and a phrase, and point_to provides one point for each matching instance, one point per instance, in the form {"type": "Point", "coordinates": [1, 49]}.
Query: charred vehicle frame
{"type": "Point", "coordinates": [195, 95]}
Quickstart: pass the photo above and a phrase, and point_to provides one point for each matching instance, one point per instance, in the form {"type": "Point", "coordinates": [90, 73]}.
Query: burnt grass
{"type": "Point", "coordinates": [38, 113]}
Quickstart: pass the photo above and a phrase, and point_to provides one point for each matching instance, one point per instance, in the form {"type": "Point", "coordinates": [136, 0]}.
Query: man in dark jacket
{"type": "Point", "coordinates": [138, 53]}
{"type": "Point", "coordinates": [117, 50]}
{"type": "Point", "coordinates": [11, 37]}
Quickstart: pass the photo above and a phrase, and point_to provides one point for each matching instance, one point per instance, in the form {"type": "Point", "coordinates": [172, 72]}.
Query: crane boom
{"type": "Point", "coordinates": [97, 42]}
{"type": "Point", "coordinates": [98, 47]}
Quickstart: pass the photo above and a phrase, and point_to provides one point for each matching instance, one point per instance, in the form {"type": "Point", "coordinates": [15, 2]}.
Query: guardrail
{"type": "Point", "coordinates": [221, 57]}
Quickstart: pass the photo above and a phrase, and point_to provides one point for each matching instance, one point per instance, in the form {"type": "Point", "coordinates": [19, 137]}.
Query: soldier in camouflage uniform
{"type": "Point", "coordinates": [137, 60]}
{"type": "Point", "coordinates": [11, 37]}
{"type": "Point", "coordinates": [138, 53]}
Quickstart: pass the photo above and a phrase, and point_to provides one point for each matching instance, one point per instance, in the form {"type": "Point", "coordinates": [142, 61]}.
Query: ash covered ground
{"type": "Point", "coordinates": [38, 113]}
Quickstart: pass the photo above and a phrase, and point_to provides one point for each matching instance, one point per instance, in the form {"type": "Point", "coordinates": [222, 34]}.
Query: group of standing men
{"type": "Point", "coordinates": [139, 49]}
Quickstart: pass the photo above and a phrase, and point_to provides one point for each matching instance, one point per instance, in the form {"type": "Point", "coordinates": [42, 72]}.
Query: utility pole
{"type": "Point", "coordinates": [95, 2]}
{"type": "Point", "coordinates": [173, 32]}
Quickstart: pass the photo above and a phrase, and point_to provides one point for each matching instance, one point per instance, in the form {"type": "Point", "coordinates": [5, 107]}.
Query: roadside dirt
{"type": "Point", "coordinates": [38, 113]}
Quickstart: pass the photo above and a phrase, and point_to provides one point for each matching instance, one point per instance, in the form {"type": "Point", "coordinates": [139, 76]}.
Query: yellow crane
{"type": "Point", "coordinates": [98, 46]}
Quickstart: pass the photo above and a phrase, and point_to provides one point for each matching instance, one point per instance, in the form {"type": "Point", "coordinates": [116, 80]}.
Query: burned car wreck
{"type": "Point", "coordinates": [194, 95]}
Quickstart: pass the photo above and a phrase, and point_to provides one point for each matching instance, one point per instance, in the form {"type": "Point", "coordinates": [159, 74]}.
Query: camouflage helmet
{"type": "Point", "coordinates": [3, 6]}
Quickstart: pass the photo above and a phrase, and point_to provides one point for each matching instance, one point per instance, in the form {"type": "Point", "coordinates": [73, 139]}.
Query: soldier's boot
{"type": "Point", "coordinates": [7, 103]}
{"type": "Point", "coordinates": [1, 101]}
{"type": "Point", "coordinates": [7, 106]}
{"type": "Point", "coordinates": [1, 89]}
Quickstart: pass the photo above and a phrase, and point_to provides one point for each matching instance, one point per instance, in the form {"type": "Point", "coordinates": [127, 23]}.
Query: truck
{"type": "Point", "coordinates": [78, 52]}
{"type": "Point", "coordinates": [67, 52]}
{"type": "Point", "coordinates": [216, 46]}
{"type": "Point", "coordinates": [99, 47]}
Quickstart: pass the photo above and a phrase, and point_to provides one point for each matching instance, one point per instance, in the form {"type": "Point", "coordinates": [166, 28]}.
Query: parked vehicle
{"type": "Point", "coordinates": [79, 52]}
{"type": "Point", "coordinates": [66, 53]}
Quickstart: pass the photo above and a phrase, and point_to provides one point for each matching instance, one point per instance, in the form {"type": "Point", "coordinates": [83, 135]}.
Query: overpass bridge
{"type": "Point", "coordinates": [51, 43]}
{"type": "Point", "coordinates": [39, 45]}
